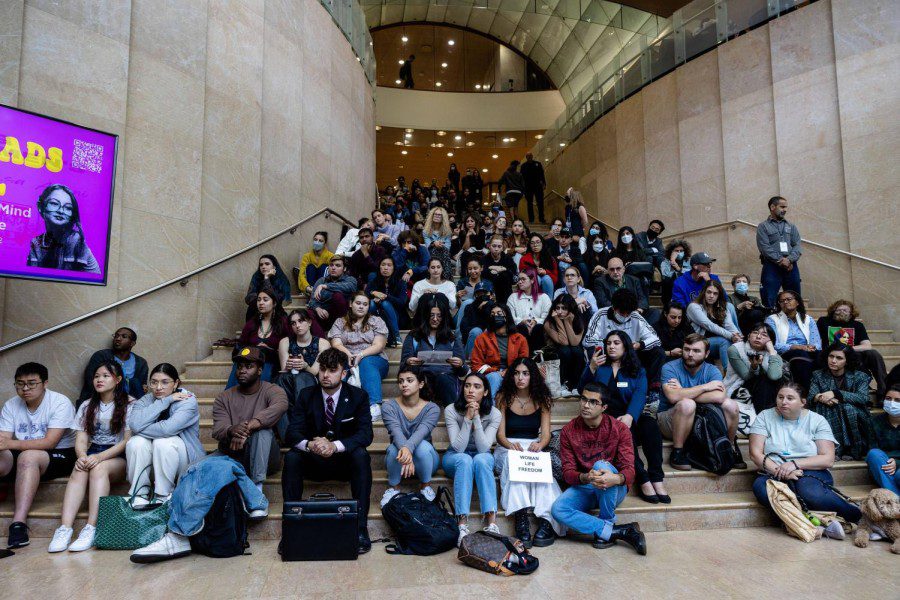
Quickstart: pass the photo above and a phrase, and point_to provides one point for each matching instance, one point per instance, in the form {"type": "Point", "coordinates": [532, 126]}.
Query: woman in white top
{"type": "Point", "coordinates": [100, 441]}
{"type": "Point", "coordinates": [529, 307]}
{"type": "Point", "coordinates": [434, 284]}
{"type": "Point", "coordinates": [793, 444]}
{"type": "Point", "coordinates": [472, 423]}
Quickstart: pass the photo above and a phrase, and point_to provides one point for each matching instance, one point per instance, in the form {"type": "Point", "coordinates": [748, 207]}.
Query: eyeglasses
{"type": "Point", "coordinates": [161, 384]}
{"type": "Point", "coordinates": [787, 300]}
{"type": "Point", "coordinates": [27, 385]}
{"type": "Point", "coordinates": [55, 206]}
{"type": "Point", "coordinates": [590, 402]}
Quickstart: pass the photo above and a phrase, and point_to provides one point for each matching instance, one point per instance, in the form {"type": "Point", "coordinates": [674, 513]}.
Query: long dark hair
{"type": "Point", "coordinates": [422, 319]}
{"type": "Point", "coordinates": [279, 316]}
{"type": "Point", "coordinates": [379, 283]}
{"type": "Point", "coordinates": [850, 354]}
{"type": "Point", "coordinates": [427, 391]}
{"type": "Point", "coordinates": [545, 258]}
{"type": "Point", "coordinates": [630, 362]}
{"type": "Point", "coordinates": [257, 280]}
{"type": "Point", "coordinates": [537, 386]}
{"type": "Point", "coordinates": [568, 302]}
{"type": "Point", "coordinates": [120, 403]}
{"type": "Point", "coordinates": [718, 312]}
{"type": "Point", "coordinates": [487, 402]}
{"type": "Point", "coordinates": [75, 220]}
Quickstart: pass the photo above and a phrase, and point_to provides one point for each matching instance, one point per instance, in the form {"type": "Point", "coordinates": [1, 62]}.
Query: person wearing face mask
{"type": "Point", "coordinates": [840, 393]}
{"type": "Point", "coordinates": [755, 366]}
{"type": "Point", "coordinates": [498, 347]}
{"type": "Point", "coordinates": [748, 309]}
{"type": "Point", "coordinates": [636, 261]}
{"type": "Point", "coordinates": [651, 243]}
{"type": "Point", "coordinates": [882, 458]}
{"type": "Point", "coordinates": [475, 316]}
{"type": "Point", "coordinates": [314, 263]}
{"type": "Point", "coordinates": [677, 261]}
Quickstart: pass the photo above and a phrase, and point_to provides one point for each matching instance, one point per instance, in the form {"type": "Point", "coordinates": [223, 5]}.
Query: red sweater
{"type": "Point", "coordinates": [580, 447]}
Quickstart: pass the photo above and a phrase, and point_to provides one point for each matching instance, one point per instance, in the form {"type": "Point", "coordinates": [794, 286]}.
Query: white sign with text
{"type": "Point", "coordinates": [530, 467]}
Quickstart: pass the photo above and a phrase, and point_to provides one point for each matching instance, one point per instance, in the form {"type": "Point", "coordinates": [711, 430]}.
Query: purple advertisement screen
{"type": "Point", "coordinates": [56, 192]}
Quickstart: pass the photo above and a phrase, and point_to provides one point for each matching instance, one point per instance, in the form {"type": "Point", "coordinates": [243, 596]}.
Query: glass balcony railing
{"type": "Point", "coordinates": [351, 19]}
{"type": "Point", "coordinates": [694, 29]}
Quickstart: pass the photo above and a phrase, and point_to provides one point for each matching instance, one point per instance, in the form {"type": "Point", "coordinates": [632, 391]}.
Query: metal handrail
{"type": "Point", "coordinates": [182, 279]}
{"type": "Point", "coordinates": [592, 216]}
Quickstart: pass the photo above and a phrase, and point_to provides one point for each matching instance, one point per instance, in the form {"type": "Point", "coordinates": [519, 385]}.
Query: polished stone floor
{"type": "Point", "coordinates": [754, 563]}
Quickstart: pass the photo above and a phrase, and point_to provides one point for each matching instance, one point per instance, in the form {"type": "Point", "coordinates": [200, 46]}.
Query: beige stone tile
{"type": "Point", "coordinates": [110, 18]}
{"type": "Point", "coordinates": [11, 23]}
{"type": "Point", "coordinates": [158, 249]}
{"type": "Point", "coordinates": [630, 160]}
{"type": "Point", "coordinates": [661, 150]}
{"type": "Point", "coordinates": [234, 52]}
{"type": "Point", "coordinates": [805, 37]}
{"type": "Point", "coordinates": [173, 33]}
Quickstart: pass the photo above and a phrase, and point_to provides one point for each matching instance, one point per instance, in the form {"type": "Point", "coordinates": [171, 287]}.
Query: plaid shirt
{"type": "Point", "coordinates": [849, 419]}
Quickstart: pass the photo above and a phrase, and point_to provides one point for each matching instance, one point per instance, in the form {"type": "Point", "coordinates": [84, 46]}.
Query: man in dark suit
{"type": "Point", "coordinates": [330, 429]}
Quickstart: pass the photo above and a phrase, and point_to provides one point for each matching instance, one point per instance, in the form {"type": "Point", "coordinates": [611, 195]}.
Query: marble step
{"type": "Point", "coordinates": [677, 483]}
{"type": "Point", "coordinates": [687, 512]}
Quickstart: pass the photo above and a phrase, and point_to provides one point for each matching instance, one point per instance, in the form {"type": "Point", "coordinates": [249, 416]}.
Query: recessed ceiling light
{"type": "Point", "coordinates": [401, 61]}
{"type": "Point", "coordinates": [440, 145]}
{"type": "Point", "coordinates": [407, 135]}
{"type": "Point", "coordinates": [494, 156]}
{"type": "Point", "coordinates": [378, 128]}
{"type": "Point", "coordinates": [457, 137]}
{"type": "Point", "coordinates": [404, 152]}
{"type": "Point", "coordinates": [512, 139]}
{"type": "Point", "coordinates": [409, 130]}
{"type": "Point", "coordinates": [443, 65]}
{"type": "Point", "coordinates": [506, 140]}
{"type": "Point", "coordinates": [398, 82]}
{"type": "Point", "coordinates": [450, 154]}
{"type": "Point", "coordinates": [433, 145]}
{"type": "Point", "coordinates": [442, 132]}
{"type": "Point", "coordinates": [539, 136]}
{"type": "Point", "coordinates": [450, 42]}
{"type": "Point", "coordinates": [438, 84]}
{"type": "Point", "coordinates": [469, 132]}
{"type": "Point", "coordinates": [477, 86]}
{"type": "Point", "coordinates": [484, 170]}
{"type": "Point", "coordinates": [398, 143]}
{"type": "Point", "coordinates": [470, 143]}
{"type": "Point", "coordinates": [562, 144]}
{"type": "Point", "coordinates": [404, 39]}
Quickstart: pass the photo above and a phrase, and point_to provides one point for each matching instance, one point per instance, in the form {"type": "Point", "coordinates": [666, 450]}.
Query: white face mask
{"type": "Point", "coordinates": [626, 239]}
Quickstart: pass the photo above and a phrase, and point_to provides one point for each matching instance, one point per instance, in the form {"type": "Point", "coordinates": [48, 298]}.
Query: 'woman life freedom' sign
{"type": "Point", "coordinates": [56, 191]}
{"type": "Point", "coordinates": [530, 467]}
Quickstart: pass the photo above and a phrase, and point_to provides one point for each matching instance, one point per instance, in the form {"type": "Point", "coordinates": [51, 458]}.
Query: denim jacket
{"type": "Point", "coordinates": [197, 488]}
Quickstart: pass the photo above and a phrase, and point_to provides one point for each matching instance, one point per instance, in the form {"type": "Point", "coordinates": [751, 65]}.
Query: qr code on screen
{"type": "Point", "coordinates": [87, 156]}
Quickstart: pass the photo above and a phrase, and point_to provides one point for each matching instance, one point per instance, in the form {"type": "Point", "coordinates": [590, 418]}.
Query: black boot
{"type": "Point", "coordinates": [523, 527]}
{"type": "Point", "coordinates": [544, 536]}
{"type": "Point", "coordinates": [631, 534]}
{"type": "Point", "coordinates": [738, 457]}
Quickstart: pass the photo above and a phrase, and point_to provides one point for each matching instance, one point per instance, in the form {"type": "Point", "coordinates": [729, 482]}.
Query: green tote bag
{"type": "Point", "coordinates": [121, 527]}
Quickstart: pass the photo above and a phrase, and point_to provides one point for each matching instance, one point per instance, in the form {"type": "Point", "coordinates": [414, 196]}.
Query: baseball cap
{"type": "Point", "coordinates": [702, 258]}
{"type": "Point", "coordinates": [566, 232]}
{"type": "Point", "coordinates": [250, 354]}
{"type": "Point", "coordinates": [486, 286]}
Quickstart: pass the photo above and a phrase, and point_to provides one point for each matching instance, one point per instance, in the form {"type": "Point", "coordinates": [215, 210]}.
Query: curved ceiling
{"type": "Point", "coordinates": [571, 40]}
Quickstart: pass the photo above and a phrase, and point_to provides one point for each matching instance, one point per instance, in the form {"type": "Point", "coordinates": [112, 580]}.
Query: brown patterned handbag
{"type": "Point", "coordinates": [497, 554]}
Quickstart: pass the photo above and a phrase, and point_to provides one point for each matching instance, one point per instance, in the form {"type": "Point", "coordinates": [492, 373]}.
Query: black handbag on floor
{"type": "Point", "coordinates": [321, 528]}
{"type": "Point", "coordinates": [420, 526]}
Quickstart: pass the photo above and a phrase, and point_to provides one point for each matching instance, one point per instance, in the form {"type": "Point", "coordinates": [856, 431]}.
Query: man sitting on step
{"type": "Point", "coordinates": [597, 456]}
{"type": "Point", "coordinates": [244, 417]}
{"type": "Point", "coordinates": [329, 298]}
{"type": "Point", "coordinates": [689, 381]}
{"type": "Point", "coordinates": [330, 429]}
{"type": "Point", "coordinates": [134, 367]}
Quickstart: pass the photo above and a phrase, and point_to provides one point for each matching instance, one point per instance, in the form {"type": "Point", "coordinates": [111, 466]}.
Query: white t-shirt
{"type": "Point", "coordinates": [55, 412]}
{"type": "Point", "coordinates": [792, 439]}
{"type": "Point", "coordinates": [103, 436]}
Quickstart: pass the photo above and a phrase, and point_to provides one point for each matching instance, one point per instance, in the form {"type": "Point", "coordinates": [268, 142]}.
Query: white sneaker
{"type": "Point", "coordinates": [388, 494]}
{"type": "Point", "coordinates": [492, 528]}
{"type": "Point", "coordinates": [258, 514]}
{"type": "Point", "coordinates": [463, 532]}
{"type": "Point", "coordinates": [171, 545]}
{"type": "Point", "coordinates": [61, 538]}
{"type": "Point", "coordinates": [139, 503]}
{"type": "Point", "coordinates": [834, 531]}
{"type": "Point", "coordinates": [163, 498]}
{"type": "Point", "coordinates": [375, 409]}
{"type": "Point", "coordinates": [428, 492]}
{"type": "Point", "coordinates": [85, 539]}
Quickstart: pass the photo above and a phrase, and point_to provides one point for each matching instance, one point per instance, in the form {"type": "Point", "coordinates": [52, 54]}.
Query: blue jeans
{"type": "Point", "coordinates": [372, 369]}
{"type": "Point", "coordinates": [425, 459]}
{"type": "Point", "coordinates": [464, 468]}
{"type": "Point", "coordinates": [774, 278]}
{"type": "Point", "coordinates": [546, 284]}
{"type": "Point", "coordinates": [719, 345]}
{"type": "Point", "coordinates": [314, 273]}
{"type": "Point", "coordinates": [817, 496]}
{"type": "Point", "coordinates": [470, 341]}
{"type": "Point", "coordinates": [732, 314]}
{"type": "Point", "coordinates": [494, 379]}
{"type": "Point", "coordinates": [876, 459]}
{"type": "Point", "coordinates": [572, 507]}
{"type": "Point", "coordinates": [459, 315]}
{"type": "Point", "coordinates": [386, 310]}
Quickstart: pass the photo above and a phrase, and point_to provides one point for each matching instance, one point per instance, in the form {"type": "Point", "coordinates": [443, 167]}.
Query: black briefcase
{"type": "Point", "coordinates": [321, 528]}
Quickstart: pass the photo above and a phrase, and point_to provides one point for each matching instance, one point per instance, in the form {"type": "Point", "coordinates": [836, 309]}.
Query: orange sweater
{"type": "Point", "coordinates": [487, 352]}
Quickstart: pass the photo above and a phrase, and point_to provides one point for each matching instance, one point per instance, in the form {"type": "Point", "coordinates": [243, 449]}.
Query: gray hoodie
{"type": "Point", "coordinates": [183, 421]}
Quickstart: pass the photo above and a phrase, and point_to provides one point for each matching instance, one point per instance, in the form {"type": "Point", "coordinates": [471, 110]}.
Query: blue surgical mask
{"type": "Point", "coordinates": [892, 407]}
{"type": "Point", "coordinates": [741, 288]}
{"type": "Point", "coordinates": [598, 247]}
{"type": "Point", "coordinates": [626, 239]}
{"type": "Point", "coordinates": [679, 255]}
{"type": "Point", "coordinates": [318, 246]}
{"type": "Point", "coordinates": [594, 231]}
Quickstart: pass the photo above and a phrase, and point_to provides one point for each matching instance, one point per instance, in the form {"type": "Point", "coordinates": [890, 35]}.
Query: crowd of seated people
{"type": "Point", "coordinates": [311, 381]}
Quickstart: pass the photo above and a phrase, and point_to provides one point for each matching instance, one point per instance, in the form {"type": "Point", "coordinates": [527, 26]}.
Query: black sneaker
{"type": "Point", "coordinates": [678, 460]}
{"type": "Point", "coordinates": [18, 535]}
{"type": "Point", "coordinates": [739, 462]}
{"type": "Point", "coordinates": [631, 534]}
{"type": "Point", "coordinates": [544, 536]}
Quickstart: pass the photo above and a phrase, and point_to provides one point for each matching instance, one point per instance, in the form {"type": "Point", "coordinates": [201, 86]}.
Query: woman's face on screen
{"type": "Point", "coordinates": [58, 208]}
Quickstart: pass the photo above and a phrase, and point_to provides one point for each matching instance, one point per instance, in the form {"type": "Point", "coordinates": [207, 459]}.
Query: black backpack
{"type": "Point", "coordinates": [708, 446]}
{"type": "Point", "coordinates": [224, 532]}
{"type": "Point", "coordinates": [421, 526]}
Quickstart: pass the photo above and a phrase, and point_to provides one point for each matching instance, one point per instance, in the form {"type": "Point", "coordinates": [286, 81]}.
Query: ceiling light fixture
{"type": "Point", "coordinates": [512, 139]}
{"type": "Point", "coordinates": [457, 137]}
{"type": "Point", "coordinates": [450, 154]}
{"type": "Point", "coordinates": [378, 128]}
{"type": "Point", "coordinates": [398, 143]}
{"type": "Point", "coordinates": [443, 65]}
{"type": "Point", "coordinates": [442, 132]}
{"type": "Point", "coordinates": [494, 156]}
{"type": "Point", "coordinates": [506, 140]}
{"type": "Point", "coordinates": [484, 170]}
{"type": "Point", "coordinates": [469, 132]}
{"type": "Point", "coordinates": [539, 136]}
{"type": "Point", "coordinates": [438, 84]}
{"type": "Point", "coordinates": [398, 82]}
{"type": "Point", "coordinates": [562, 144]}
{"type": "Point", "coordinates": [440, 145]}
{"type": "Point", "coordinates": [451, 43]}
{"type": "Point", "coordinates": [470, 143]}
{"type": "Point", "coordinates": [477, 86]}
{"type": "Point", "coordinates": [404, 39]}
{"type": "Point", "coordinates": [409, 130]}
{"type": "Point", "coordinates": [401, 61]}
{"type": "Point", "coordinates": [404, 152]}
{"type": "Point", "coordinates": [407, 135]}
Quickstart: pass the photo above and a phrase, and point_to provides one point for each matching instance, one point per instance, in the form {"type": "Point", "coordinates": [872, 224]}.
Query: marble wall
{"type": "Point", "coordinates": [806, 107]}
{"type": "Point", "coordinates": [236, 118]}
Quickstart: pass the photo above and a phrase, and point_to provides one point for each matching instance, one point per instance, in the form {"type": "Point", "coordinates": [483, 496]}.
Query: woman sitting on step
{"type": "Point", "coordinates": [793, 444]}
{"type": "Point", "coordinates": [529, 307]}
{"type": "Point", "coordinates": [409, 420]}
{"type": "Point", "coordinates": [525, 404]}
{"type": "Point", "coordinates": [498, 347]}
{"type": "Point", "coordinates": [840, 393]}
{"type": "Point", "coordinates": [796, 336]}
{"type": "Point", "coordinates": [472, 422]}
{"type": "Point", "coordinates": [100, 441]}
{"type": "Point", "coordinates": [298, 352]}
{"type": "Point", "coordinates": [265, 331]}
{"type": "Point", "coordinates": [165, 435]}
{"type": "Point", "coordinates": [432, 332]}
{"type": "Point", "coordinates": [268, 273]}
